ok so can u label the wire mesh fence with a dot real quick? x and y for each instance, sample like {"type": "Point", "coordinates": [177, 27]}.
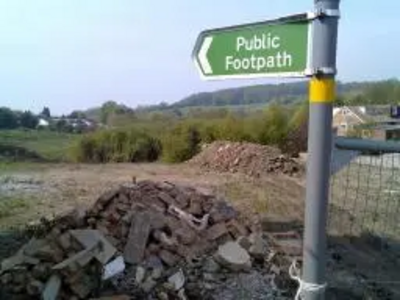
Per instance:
{"type": "Point", "coordinates": [364, 218]}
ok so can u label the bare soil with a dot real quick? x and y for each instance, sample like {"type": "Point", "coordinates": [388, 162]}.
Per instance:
{"type": "Point", "coordinates": [56, 188]}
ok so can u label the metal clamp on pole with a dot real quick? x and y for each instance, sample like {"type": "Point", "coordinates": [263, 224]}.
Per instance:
{"type": "Point", "coordinates": [318, 72]}
{"type": "Point", "coordinates": [321, 13]}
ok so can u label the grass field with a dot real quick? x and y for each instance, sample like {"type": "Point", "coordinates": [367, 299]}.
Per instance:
{"type": "Point", "coordinates": [34, 145]}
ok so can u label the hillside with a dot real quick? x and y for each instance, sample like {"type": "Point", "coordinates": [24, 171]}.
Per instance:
{"type": "Point", "coordinates": [284, 93]}
{"type": "Point", "coordinates": [367, 92]}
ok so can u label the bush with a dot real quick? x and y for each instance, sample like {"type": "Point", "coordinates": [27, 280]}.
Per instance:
{"type": "Point", "coordinates": [182, 143]}
{"type": "Point", "coordinates": [117, 146]}
{"type": "Point", "coordinates": [272, 127]}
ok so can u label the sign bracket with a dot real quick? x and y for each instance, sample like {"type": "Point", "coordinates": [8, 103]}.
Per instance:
{"type": "Point", "coordinates": [322, 13]}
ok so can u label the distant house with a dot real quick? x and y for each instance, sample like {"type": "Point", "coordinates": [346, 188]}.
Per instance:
{"type": "Point", "coordinates": [43, 123]}
{"type": "Point", "coordinates": [74, 124]}
{"type": "Point", "coordinates": [375, 122]}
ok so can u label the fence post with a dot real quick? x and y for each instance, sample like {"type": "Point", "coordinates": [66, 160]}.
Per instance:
{"type": "Point", "coordinates": [321, 97]}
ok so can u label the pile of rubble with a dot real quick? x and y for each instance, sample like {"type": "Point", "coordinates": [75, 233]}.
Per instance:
{"type": "Point", "coordinates": [141, 240]}
{"type": "Point", "coordinates": [251, 159]}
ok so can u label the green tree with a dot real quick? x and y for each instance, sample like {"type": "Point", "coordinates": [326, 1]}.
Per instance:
{"type": "Point", "coordinates": [76, 114]}
{"type": "Point", "coordinates": [8, 119]}
{"type": "Point", "coordinates": [46, 113]}
{"type": "Point", "coordinates": [28, 120]}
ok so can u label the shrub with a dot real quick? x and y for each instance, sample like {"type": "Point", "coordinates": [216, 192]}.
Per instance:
{"type": "Point", "coordinates": [120, 145]}
{"type": "Point", "coordinates": [182, 143]}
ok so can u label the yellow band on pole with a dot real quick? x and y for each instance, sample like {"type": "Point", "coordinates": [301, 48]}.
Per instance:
{"type": "Point", "coordinates": [322, 90]}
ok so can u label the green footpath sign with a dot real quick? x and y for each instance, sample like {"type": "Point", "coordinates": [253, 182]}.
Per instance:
{"type": "Point", "coordinates": [267, 49]}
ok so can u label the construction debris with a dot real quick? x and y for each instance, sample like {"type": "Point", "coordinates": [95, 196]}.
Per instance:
{"type": "Point", "coordinates": [151, 226]}
{"type": "Point", "coordinates": [251, 159]}
{"type": "Point", "coordinates": [146, 238]}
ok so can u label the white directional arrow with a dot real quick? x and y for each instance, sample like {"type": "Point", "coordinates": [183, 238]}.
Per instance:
{"type": "Point", "coordinates": [203, 55]}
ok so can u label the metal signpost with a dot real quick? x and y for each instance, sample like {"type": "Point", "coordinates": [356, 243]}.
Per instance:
{"type": "Point", "coordinates": [322, 95]}
{"type": "Point", "coordinates": [302, 45]}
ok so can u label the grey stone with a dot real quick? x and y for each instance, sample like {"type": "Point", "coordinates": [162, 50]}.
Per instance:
{"type": "Point", "coordinates": [52, 288]}
{"type": "Point", "coordinates": [12, 262]}
{"type": "Point", "coordinates": [211, 266]}
{"type": "Point", "coordinates": [210, 277]}
{"type": "Point", "coordinates": [259, 247]}
{"type": "Point", "coordinates": [162, 296]}
{"type": "Point", "coordinates": [83, 284]}
{"type": "Point", "coordinates": [34, 246]}
{"type": "Point", "coordinates": [148, 285]}
{"type": "Point", "coordinates": [35, 287]}
{"type": "Point", "coordinates": [233, 256]}
{"type": "Point", "coordinates": [157, 273]}
{"type": "Point", "coordinates": [182, 294]}
{"type": "Point", "coordinates": [244, 241]}
{"type": "Point", "coordinates": [153, 262]}
{"type": "Point", "coordinates": [177, 280]}
{"type": "Point", "coordinates": [140, 274]}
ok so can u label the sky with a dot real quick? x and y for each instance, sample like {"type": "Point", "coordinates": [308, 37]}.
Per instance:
{"type": "Point", "coordinates": [74, 54]}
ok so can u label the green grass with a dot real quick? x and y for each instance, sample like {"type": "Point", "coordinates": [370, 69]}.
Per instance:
{"type": "Point", "coordinates": [10, 206]}
{"type": "Point", "coordinates": [46, 145]}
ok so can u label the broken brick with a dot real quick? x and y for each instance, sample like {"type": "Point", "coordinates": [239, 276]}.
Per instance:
{"type": "Point", "coordinates": [236, 228]}
{"type": "Point", "coordinates": [137, 238]}
{"type": "Point", "coordinates": [168, 258]}
{"type": "Point", "coordinates": [222, 212]}
{"type": "Point", "coordinates": [65, 241]}
{"type": "Point", "coordinates": [106, 198]}
{"type": "Point", "coordinates": [78, 260]}
{"type": "Point", "coordinates": [83, 285]}
{"type": "Point", "coordinates": [182, 200]}
{"type": "Point", "coordinates": [34, 287]}
{"type": "Point", "coordinates": [88, 238]}
{"type": "Point", "coordinates": [195, 207]}
{"type": "Point", "coordinates": [50, 252]}
{"type": "Point", "coordinates": [166, 198]}
{"type": "Point", "coordinates": [185, 235]}
{"type": "Point", "coordinates": [290, 243]}
{"type": "Point", "coordinates": [216, 231]}
{"type": "Point", "coordinates": [33, 246]}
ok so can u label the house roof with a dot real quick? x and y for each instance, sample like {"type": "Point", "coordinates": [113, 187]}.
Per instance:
{"type": "Point", "coordinates": [372, 113]}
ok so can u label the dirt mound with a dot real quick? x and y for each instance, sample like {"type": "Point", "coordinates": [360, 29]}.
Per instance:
{"type": "Point", "coordinates": [157, 224]}
{"type": "Point", "coordinates": [251, 159]}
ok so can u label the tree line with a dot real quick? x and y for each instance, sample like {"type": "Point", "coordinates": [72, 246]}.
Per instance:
{"type": "Point", "coordinates": [15, 119]}
{"type": "Point", "coordinates": [178, 139]}
{"type": "Point", "coordinates": [11, 119]}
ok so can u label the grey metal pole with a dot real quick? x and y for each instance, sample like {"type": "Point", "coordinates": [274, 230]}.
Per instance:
{"type": "Point", "coordinates": [322, 88]}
